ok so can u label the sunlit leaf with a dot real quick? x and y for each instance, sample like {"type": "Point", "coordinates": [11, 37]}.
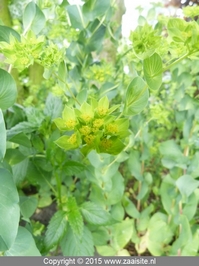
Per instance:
{"type": "Point", "coordinates": [136, 96]}
{"type": "Point", "coordinates": [153, 71]}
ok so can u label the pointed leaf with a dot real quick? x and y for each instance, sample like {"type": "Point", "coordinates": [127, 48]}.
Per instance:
{"type": "Point", "coordinates": [71, 245]}
{"type": "Point", "coordinates": [94, 214]}
{"type": "Point", "coordinates": [74, 217]}
{"type": "Point", "coordinates": [187, 184]}
{"type": "Point", "coordinates": [56, 229]}
{"type": "Point", "coordinates": [153, 71]}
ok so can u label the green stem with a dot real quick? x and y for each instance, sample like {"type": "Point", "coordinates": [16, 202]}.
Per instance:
{"type": "Point", "coordinates": [119, 115]}
{"type": "Point", "coordinates": [174, 63]}
{"type": "Point", "coordinates": [37, 156]}
{"type": "Point", "coordinates": [58, 181]}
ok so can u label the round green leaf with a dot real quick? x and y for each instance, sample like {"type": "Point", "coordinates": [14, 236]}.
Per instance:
{"type": "Point", "coordinates": [24, 245]}
{"type": "Point", "coordinates": [187, 184]}
{"type": "Point", "coordinates": [9, 210]}
{"type": "Point", "coordinates": [8, 90]}
{"type": "Point", "coordinates": [122, 233]}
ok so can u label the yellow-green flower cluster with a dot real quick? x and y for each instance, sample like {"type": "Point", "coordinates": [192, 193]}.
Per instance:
{"type": "Point", "coordinates": [92, 126]}
{"type": "Point", "coordinates": [100, 73]}
{"type": "Point", "coordinates": [23, 53]}
{"type": "Point", "coordinates": [51, 55]}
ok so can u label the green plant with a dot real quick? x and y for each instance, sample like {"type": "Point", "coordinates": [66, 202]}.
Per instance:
{"type": "Point", "coordinates": [113, 151]}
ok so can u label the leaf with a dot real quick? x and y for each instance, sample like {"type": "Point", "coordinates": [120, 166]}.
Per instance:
{"type": "Point", "coordinates": [136, 96]}
{"type": "Point", "coordinates": [33, 18]}
{"type": "Point", "coordinates": [19, 171]}
{"type": "Point", "coordinates": [134, 165]}
{"type": "Point", "coordinates": [94, 8]}
{"type": "Point", "coordinates": [99, 160]}
{"type": "Point", "coordinates": [56, 229]}
{"type": "Point", "coordinates": [106, 250]}
{"type": "Point", "coordinates": [14, 156]}
{"type": "Point", "coordinates": [8, 90]}
{"type": "Point", "coordinates": [25, 127]}
{"type": "Point", "coordinates": [185, 236]}
{"type": "Point", "coordinates": [53, 106]}
{"type": "Point", "coordinates": [144, 218]}
{"type": "Point", "coordinates": [122, 233]}
{"type": "Point", "coordinates": [92, 36]}
{"type": "Point", "coordinates": [117, 212]}
{"type": "Point", "coordinates": [28, 205]}
{"type": "Point", "coordinates": [187, 184]}
{"type": "Point", "coordinates": [78, 21]}
{"type": "Point", "coordinates": [94, 214]}
{"type": "Point", "coordinates": [166, 192]}
{"type": "Point", "coordinates": [176, 28]}
{"type": "Point", "coordinates": [192, 246]}
{"type": "Point", "coordinates": [62, 74]}
{"type": "Point", "coordinates": [172, 155]}
{"type": "Point", "coordinates": [100, 236]}
{"type": "Point", "coordinates": [5, 33]}
{"type": "Point", "coordinates": [2, 136]}
{"type": "Point", "coordinates": [65, 143]}
{"type": "Point", "coordinates": [24, 245]}
{"type": "Point", "coordinates": [71, 245]}
{"type": "Point", "coordinates": [153, 71]}
{"type": "Point", "coordinates": [117, 190]}
{"type": "Point", "coordinates": [130, 208]}
{"type": "Point", "coordinates": [73, 168]}
{"type": "Point", "coordinates": [190, 207]}
{"type": "Point", "coordinates": [9, 210]}
{"type": "Point", "coordinates": [157, 240]}
{"type": "Point", "coordinates": [74, 217]}
{"type": "Point", "coordinates": [21, 139]}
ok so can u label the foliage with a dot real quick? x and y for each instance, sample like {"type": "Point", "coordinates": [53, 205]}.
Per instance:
{"type": "Point", "coordinates": [114, 146]}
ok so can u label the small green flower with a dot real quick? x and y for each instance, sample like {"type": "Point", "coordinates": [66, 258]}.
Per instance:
{"type": "Point", "coordinates": [73, 139]}
{"type": "Point", "coordinates": [86, 113]}
{"type": "Point", "coordinates": [112, 128]}
{"type": "Point", "coordinates": [89, 139]}
{"type": "Point", "coordinates": [69, 142]}
{"type": "Point", "coordinates": [68, 120]}
{"type": "Point", "coordinates": [97, 123]}
{"type": "Point", "coordinates": [85, 130]}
